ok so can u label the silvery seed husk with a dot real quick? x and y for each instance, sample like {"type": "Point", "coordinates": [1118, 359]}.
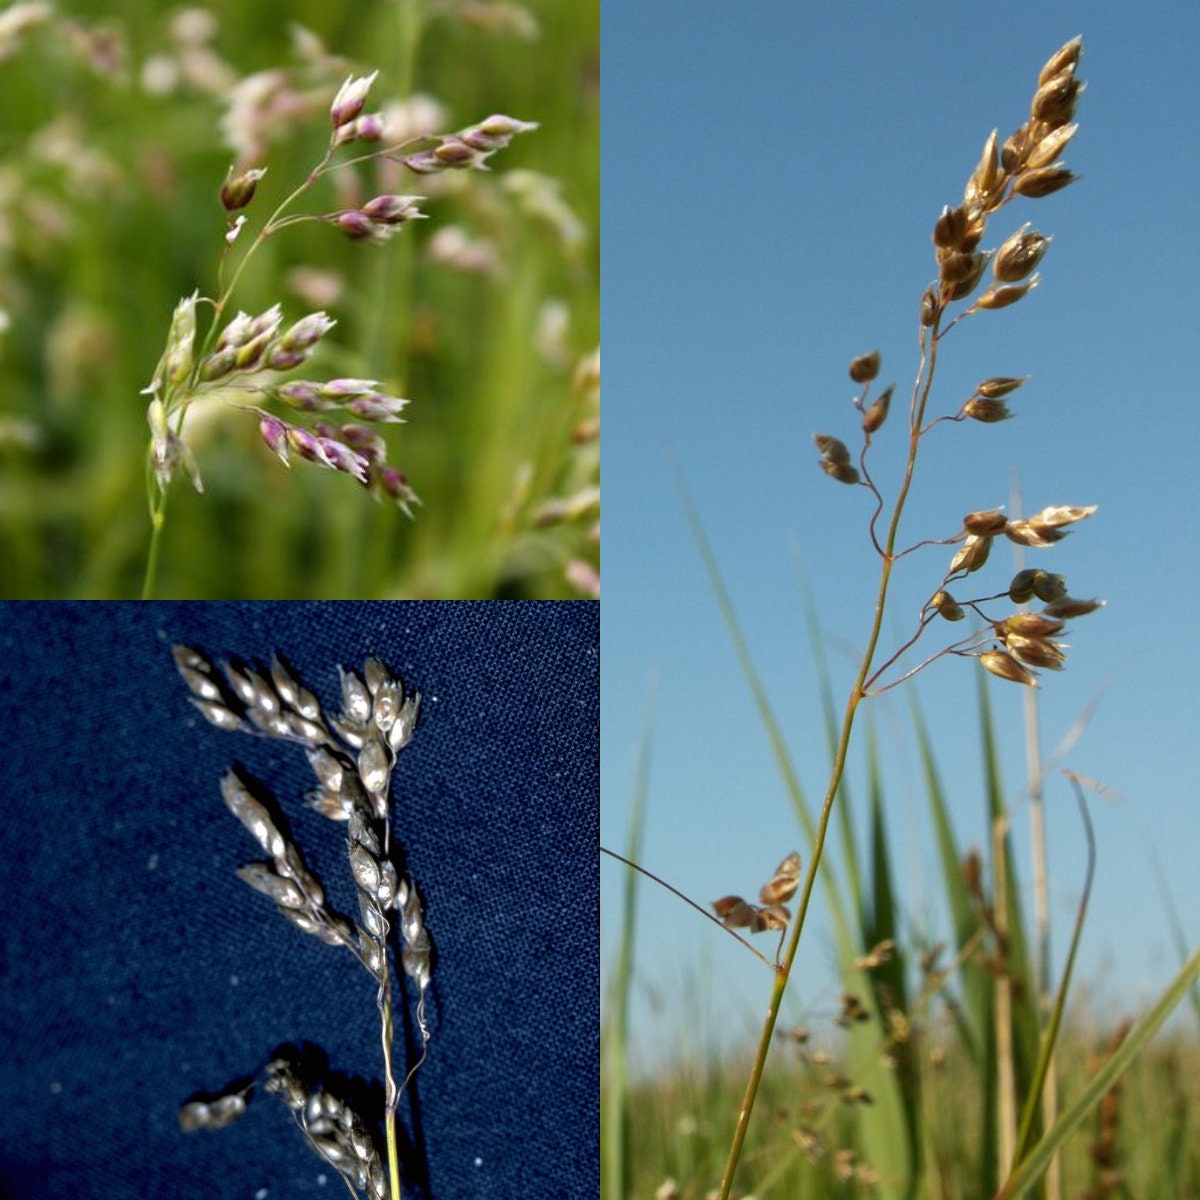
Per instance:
{"type": "Point", "coordinates": [292, 865]}
{"type": "Point", "coordinates": [306, 730]}
{"type": "Point", "coordinates": [264, 694]}
{"type": "Point", "coordinates": [327, 768]}
{"type": "Point", "coordinates": [282, 1082]}
{"type": "Point", "coordinates": [200, 684]}
{"type": "Point", "coordinates": [252, 814]}
{"type": "Point", "coordinates": [276, 724]}
{"type": "Point", "coordinates": [372, 953]}
{"type": "Point", "coordinates": [218, 714]}
{"type": "Point", "coordinates": [226, 1110]}
{"type": "Point", "coordinates": [401, 732]}
{"type": "Point", "coordinates": [365, 868]}
{"type": "Point", "coordinates": [415, 961]}
{"type": "Point", "coordinates": [350, 732]}
{"type": "Point", "coordinates": [410, 919]}
{"type": "Point", "coordinates": [386, 706]}
{"type": "Point", "coordinates": [328, 804]}
{"type": "Point", "coordinates": [262, 879]}
{"type": "Point", "coordinates": [185, 656]}
{"type": "Point", "coordinates": [372, 915]}
{"type": "Point", "coordinates": [374, 767]}
{"type": "Point", "coordinates": [359, 831]}
{"type": "Point", "coordinates": [194, 1116]}
{"type": "Point", "coordinates": [242, 687]}
{"type": "Point", "coordinates": [376, 674]}
{"type": "Point", "coordinates": [355, 697]}
{"type": "Point", "coordinates": [385, 889]}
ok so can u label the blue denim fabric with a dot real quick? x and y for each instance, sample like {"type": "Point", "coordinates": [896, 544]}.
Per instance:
{"type": "Point", "coordinates": [138, 970]}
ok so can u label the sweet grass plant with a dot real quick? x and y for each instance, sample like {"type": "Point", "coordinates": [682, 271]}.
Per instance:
{"type": "Point", "coordinates": [485, 315]}
{"type": "Point", "coordinates": [864, 1128]}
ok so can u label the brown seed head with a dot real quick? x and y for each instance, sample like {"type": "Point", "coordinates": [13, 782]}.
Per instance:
{"type": "Point", "coordinates": [985, 521]}
{"type": "Point", "coordinates": [1057, 515]}
{"type": "Point", "coordinates": [946, 606]}
{"type": "Point", "coordinates": [1020, 590]}
{"type": "Point", "coordinates": [950, 228]}
{"type": "Point", "coordinates": [877, 413]}
{"type": "Point", "coordinates": [1002, 295]}
{"type": "Point", "coordinates": [1037, 652]}
{"type": "Point", "coordinates": [1002, 664]}
{"type": "Point", "coordinates": [1000, 385]}
{"type": "Point", "coordinates": [981, 188]}
{"type": "Point", "coordinates": [1028, 624]}
{"type": "Point", "coordinates": [1025, 534]}
{"type": "Point", "coordinates": [1048, 148]}
{"type": "Point", "coordinates": [1068, 607]}
{"type": "Point", "coordinates": [1043, 181]}
{"type": "Point", "coordinates": [831, 449]}
{"type": "Point", "coordinates": [1049, 587]}
{"type": "Point", "coordinates": [1054, 102]}
{"type": "Point", "coordinates": [865, 367]}
{"type": "Point", "coordinates": [973, 555]}
{"type": "Point", "coordinates": [1019, 255]}
{"type": "Point", "coordinates": [839, 471]}
{"type": "Point", "coordinates": [1066, 58]}
{"type": "Point", "coordinates": [980, 408]}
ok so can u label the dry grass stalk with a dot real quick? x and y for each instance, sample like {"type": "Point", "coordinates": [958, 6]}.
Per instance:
{"type": "Point", "coordinates": [352, 756]}
{"type": "Point", "coordinates": [1014, 645]}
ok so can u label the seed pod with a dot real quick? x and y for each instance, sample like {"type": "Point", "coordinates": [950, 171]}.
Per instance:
{"type": "Point", "coordinates": [950, 227]}
{"type": "Point", "coordinates": [1066, 58]}
{"type": "Point", "coordinates": [1043, 181]}
{"type": "Point", "coordinates": [782, 885]}
{"type": "Point", "coordinates": [831, 449]}
{"type": "Point", "coordinates": [1020, 590]}
{"type": "Point", "coordinates": [1019, 255]}
{"type": "Point", "coordinates": [1049, 587]}
{"type": "Point", "coordinates": [973, 555]}
{"type": "Point", "coordinates": [252, 815]}
{"type": "Point", "coordinates": [364, 867]}
{"type": "Point", "coordinates": [1002, 664]}
{"type": "Point", "coordinates": [1000, 385]}
{"type": "Point", "coordinates": [1051, 146]}
{"type": "Point", "coordinates": [839, 471]}
{"type": "Point", "coordinates": [218, 714]}
{"type": "Point", "coordinates": [374, 766]}
{"type": "Point", "coordinates": [1057, 515]}
{"type": "Point", "coordinates": [865, 367]}
{"type": "Point", "coordinates": [1068, 607]}
{"type": "Point", "coordinates": [401, 732]}
{"type": "Point", "coordinates": [355, 697]}
{"type": "Point", "coordinates": [981, 187]}
{"type": "Point", "coordinates": [1054, 102]}
{"type": "Point", "coordinates": [1024, 533]}
{"type": "Point", "coordinates": [1028, 624]}
{"type": "Point", "coordinates": [1037, 652]}
{"type": "Point", "coordinates": [386, 705]}
{"type": "Point", "coordinates": [385, 891]}
{"type": "Point", "coordinates": [877, 412]}
{"type": "Point", "coordinates": [985, 522]}
{"type": "Point", "coordinates": [1002, 296]}
{"type": "Point", "coordinates": [263, 879]}
{"type": "Point", "coordinates": [946, 606]}
{"type": "Point", "coordinates": [980, 408]}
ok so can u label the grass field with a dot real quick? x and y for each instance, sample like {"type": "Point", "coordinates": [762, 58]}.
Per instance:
{"type": "Point", "coordinates": [485, 315]}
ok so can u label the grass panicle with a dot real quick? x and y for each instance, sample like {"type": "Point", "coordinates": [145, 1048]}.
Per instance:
{"type": "Point", "coordinates": [876, 1117]}
{"type": "Point", "coordinates": [352, 755]}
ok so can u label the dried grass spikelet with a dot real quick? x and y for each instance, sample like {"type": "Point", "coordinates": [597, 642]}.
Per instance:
{"type": "Point", "coordinates": [877, 411]}
{"type": "Point", "coordinates": [835, 458]}
{"type": "Point", "coordinates": [973, 554]}
{"type": "Point", "coordinates": [736, 913]}
{"type": "Point", "coordinates": [986, 410]}
{"type": "Point", "coordinates": [985, 522]}
{"type": "Point", "coordinates": [865, 367]}
{"type": "Point", "coordinates": [946, 606]}
{"type": "Point", "coordinates": [1004, 665]}
{"type": "Point", "coordinates": [1002, 295]}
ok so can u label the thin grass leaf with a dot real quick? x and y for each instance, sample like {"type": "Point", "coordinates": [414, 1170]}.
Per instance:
{"type": "Point", "coordinates": [1031, 1168]}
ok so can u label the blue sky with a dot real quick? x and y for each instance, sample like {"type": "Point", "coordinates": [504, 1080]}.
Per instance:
{"type": "Point", "coordinates": [772, 172]}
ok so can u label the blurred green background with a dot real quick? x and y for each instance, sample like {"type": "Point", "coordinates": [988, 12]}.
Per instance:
{"type": "Point", "coordinates": [113, 155]}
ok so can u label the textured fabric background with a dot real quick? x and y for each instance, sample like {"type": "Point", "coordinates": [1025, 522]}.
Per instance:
{"type": "Point", "coordinates": [138, 970]}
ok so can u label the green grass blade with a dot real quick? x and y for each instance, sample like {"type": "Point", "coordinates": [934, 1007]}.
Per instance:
{"type": "Point", "coordinates": [1030, 1170]}
{"type": "Point", "coordinates": [614, 1171]}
